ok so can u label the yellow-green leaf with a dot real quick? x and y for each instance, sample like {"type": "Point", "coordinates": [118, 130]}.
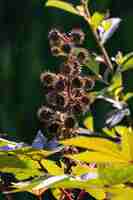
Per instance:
{"type": "Point", "coordinates": [127, 62]}
{"type": "Point", "coordinates": [126, 141]}
{"type": "Point", "coordinates": [88, 122]}
{"type": "Point", "coordinates": [52, 168]}
{"type": "Point", "coordinates": [97, 193]}
{"type": "Point", "coordinates": [96, 19]}
{"type": "Point", "coordinates": [62, 5]}
{"type": "Point", "coordinates": [97, 157]}
{"type": "Point", "coordinates": [93, 143]}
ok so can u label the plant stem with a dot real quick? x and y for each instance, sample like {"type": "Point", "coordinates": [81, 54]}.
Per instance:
{"type": "Point", "coordinates": [87, 17]}
{"type": "Point", "coordinates": [67, 194]}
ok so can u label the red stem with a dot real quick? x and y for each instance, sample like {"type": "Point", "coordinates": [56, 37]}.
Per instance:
{"type": "Point", "coordinates": [81, 195]}
{"type": "Point", "coordinates": [67, 194]}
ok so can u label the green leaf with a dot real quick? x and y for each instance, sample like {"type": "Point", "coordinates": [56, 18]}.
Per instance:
{"type": "Point", "coordinates": [109, 132]}
{"type": "Point", "coordinates": [116, 82]}
{"type": "Point", "coordinates": [62, 5]}
{"type": "Point", "coordinates": [116, 174]}
{"type": "Point", "coordinates": [80, 169]}
{"type": "Point", "coordinates": [93, 143]}
{"type": "Point", "coordinates": [88, 122]}
{"type": "Point", "coordinates": [93, 65]}
{"type": "Point", "coordinates": [96, 19]}
{"type": "Point", "coordinates": [126, 141]}
{"type": "Point", "coordinates": [97, 193]}
{"type": "Point", "coordinates": [52, 168]}
{"type": "Point", "coordinates": [38, 185]}
{"type": "Point", "coordinates": [21, 166]}
{"type": "Point", "coordinates": [127, 62]}
{"type": "Point", "coordinates": [97, 157]}
{"type": "Point", "coordinates": [126, 193]}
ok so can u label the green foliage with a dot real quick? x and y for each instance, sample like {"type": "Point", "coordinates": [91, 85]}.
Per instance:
{"type": "Point", "coordinates": [101, 166]}
{"type": "Point", "coordinates": [62, 5]}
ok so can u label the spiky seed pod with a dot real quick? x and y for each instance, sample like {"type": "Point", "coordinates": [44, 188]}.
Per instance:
{"type": "Point", "coordinates": [85, 100]}
{"type": "Point", "coordinates": [77, 82]}
{"type": "Point", "coordinates": [77, 108]}
{"type": "Point", "coordinates": [48, 79]}
{"type": "Point", "coordinates": [60, 84]}
{"type": "Point", "coordinates": [77, 36]}
{"type": "Point", "coordinates": [66, 48]}
{"type": "Point", "coordinates": [45, 114]}
{"type": "Point", "coordinates": [66, 68]}
{"type": "Point", "coordinates": [56, 51]}
{"type": "Point", "coordinates": [54, 127]}
{"type": "Point", "coordinates": [83, 56]}
{"type": "Point", "coordinates": [69, 122]}
{"type": "Point", "coordinates": [55, 38]}
{"type": "Point", "coordinates": [88, 84]}
{"type": "Point", "coordinates": [56, 100]}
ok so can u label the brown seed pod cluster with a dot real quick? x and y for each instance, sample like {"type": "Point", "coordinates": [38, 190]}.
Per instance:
{"type": "Point", "coordinates": [66, 92]}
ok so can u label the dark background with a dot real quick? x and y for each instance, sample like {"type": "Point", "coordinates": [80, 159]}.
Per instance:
{"type": "Point", "coordinates": [24, 53]}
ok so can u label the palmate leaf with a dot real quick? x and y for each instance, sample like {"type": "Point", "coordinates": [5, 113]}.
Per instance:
{"type": "Point", "coordinates": [127, 62]}
{"type": "Point", "coordinates": [62, 5]}
{"type": "Point", "coordinates": [38, 185]}
{"type": "Point", "coordinates": [96, 19]}
{"type": "Point", "coordinates": [122, 194]}
{"type": "Point", "coordinates": [116, 174]}
{"type": "Point", "coordinates": [88, 122]}
{"type": "Point", "coordinates": [52, 168]}
{"type": "Point", "coordinates": [98, 157]}
{"type": "Point", "coordinates": [126, 141]}
{"type": "Point", "coordinates": [94, 143]}
{"type": "Point", "coordinates": [21, 166]}
{"type": "Point", "coordinates": [93, 65]}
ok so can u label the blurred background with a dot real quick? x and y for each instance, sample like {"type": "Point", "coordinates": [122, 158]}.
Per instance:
{"type": "Point", "coordinates": [24, 54]}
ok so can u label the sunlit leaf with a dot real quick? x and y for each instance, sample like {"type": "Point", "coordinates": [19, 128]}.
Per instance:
{"type": "Point", "coordinates": [38, 185]}
{"type": "Point", "coordinates": [52, 168]}
{"type": "Point", "coordinates": [127, 62]}
{"type": "Point", "coordinates": [93, 143]}
{"type": "Point", "coordinates": [88, 122]}
{"type": "Point", "coordinates": [93, 65]}
{"type": "Point", "coordinates": [126, 141]}
{"type": "Point", "coordinates": [107, 28]}
{"type": "Point", "coordinates": [116, 82]}
{"type": "Point", "coordinates": [96, 19]}
{"type": "Point", "coordinates": [97, 193]}
{"type": "Point", "coordinates": [127, 96]}
{"type": "Point", "coordinates": [109, 132]}
{"type": "Point", "coordinates": [98, 157]}
{"type": "Point", "coordinates": [82, 169]}
{"type": "Point", "coordinates": [116, 174]}
{"type": "Point", "coordinates": [62, 5]}
{"type": "Point", "coordinates": [21, 166]}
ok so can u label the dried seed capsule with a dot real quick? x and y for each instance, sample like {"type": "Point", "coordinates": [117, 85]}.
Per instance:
{"type": "Point", "coordinates": [66, 48]}
{"type": "Point", "coordinates": [60, 84]}
{"type": "Point", "coordinates": [77, 82]}
{"type": "Point", "coordinates": [54, 127]}
{"type": "Point", "coordinates": [56, 51]}
{"type": "Point", "coordinates": [55, 38]}
{"type": "Point", "coordinates": [45, 114]}
{"type": "Point", "coordinates": [82, 56]}
{"type": "Point", "coordinates": [85, 100]}
{"type": "Point", "coordinates": [66, 69]}
{"type": "Point", "coordinates": [70, 122]}
{"type": "Point", "coordinates": [77, 36]}
{"type": "Point", "coordinates": [47, 79]}
{"type": "Point", "coordinates": [58, 101]}
{"type": "Point", "coordinates": [88, 84]}
{"type": "Point", "coordinates": [77, 108]}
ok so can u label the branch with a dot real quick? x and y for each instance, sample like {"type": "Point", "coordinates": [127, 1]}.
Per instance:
{"type": "Point", "coordinates": [87, 17]}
